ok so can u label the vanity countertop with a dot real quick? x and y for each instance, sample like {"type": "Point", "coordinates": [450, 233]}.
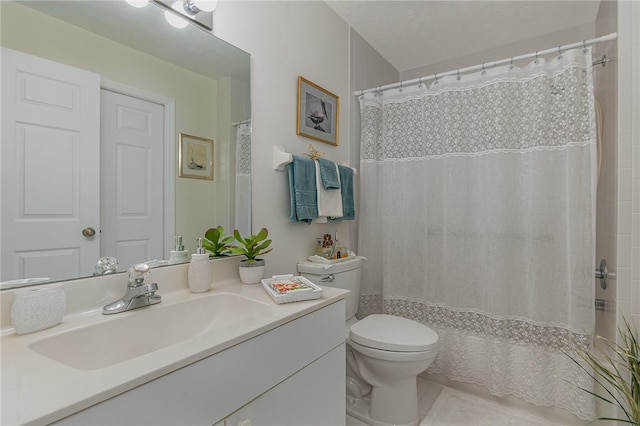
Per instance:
{"type": "Point", "coordinates": [39, 390]}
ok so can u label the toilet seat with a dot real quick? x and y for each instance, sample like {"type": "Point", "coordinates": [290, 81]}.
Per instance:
{"type": "Point", "coordinates": [401, 357]}
{"type": "Point", "coordinates": [391, 333]}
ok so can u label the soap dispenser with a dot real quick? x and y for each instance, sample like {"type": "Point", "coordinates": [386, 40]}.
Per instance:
{"type": "Point", "coordinates": [179, 254]}
{"type": "Point", "coordinates": [200, 274]}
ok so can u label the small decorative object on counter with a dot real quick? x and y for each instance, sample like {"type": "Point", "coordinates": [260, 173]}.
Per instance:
{"type": "Point", "coordinates": [200, 274]}
{"type": "Point", "coordinates": [179, 254]}
{"type": "Point", "coordinates": [330, 248]}
{"type": "Point", "coordinates": [38, 308]}
{"type": "Point", "coordinates": [287, 288]}
{"type": "Point", "coordinates": [252, 269]}
{"type": "Point", "coordinates": [338, 251]}
{"type": "Point", "coordinates": [327, 246]}
{"type": "Point", "coordinates": [318, 246]}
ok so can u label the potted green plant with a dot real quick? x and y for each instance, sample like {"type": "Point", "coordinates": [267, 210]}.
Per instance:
{"type": "Point", "coordinates": [252, 246]}
{"type": "Point", "coordinates": [216, 242]}
{"type": "Point", "coordinates": [617, 370]}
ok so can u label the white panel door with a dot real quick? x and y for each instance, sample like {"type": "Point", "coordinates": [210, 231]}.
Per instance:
{"type": "Point", "coordinates": [50, 168]}
{"type": "Point", "coordinates": [132, 189]}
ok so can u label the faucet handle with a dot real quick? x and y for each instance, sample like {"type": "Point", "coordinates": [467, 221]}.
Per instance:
{"type": "Point", "coordinates": [141, 267]}
{"type": "Point", "coordinates": [145, 290]}
{"type": "Point", "coordinates": [138, 273]}
{"type": "Point", "coordinates": [106, 265]}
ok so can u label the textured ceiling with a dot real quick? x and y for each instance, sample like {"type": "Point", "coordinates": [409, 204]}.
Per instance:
{"type": "Point", "coordinates": [411, 34]}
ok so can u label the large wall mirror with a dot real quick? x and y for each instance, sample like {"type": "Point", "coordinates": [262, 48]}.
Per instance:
{"type": "Point", "coordinates": [95, 98]}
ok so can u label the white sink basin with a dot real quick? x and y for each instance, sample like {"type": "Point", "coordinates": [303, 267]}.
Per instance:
{"type": "Point", "coordinates": [138, 332]}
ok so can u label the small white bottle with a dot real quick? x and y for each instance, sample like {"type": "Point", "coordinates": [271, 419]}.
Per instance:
{"type": "Point", "coordinates": [200, 274]}
{"type": "Point", "coordinates": [179, 255]}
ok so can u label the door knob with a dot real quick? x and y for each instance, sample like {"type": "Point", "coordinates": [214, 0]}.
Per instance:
{"type": "Point", "coordinates": [88, 232]}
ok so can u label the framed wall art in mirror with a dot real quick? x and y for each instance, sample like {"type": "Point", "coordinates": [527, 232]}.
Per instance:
{"type": "Point", "coordinates": [318, 112]}
{"type": "Point", "coordinates": [196, 157]}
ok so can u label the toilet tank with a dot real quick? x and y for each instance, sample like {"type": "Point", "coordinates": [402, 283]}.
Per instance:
{"type": "Point", "coordinates": [344, 274]}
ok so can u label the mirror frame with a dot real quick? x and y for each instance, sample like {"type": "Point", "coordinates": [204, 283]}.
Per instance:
{"type": "Point", "coordinates": [236, 70]}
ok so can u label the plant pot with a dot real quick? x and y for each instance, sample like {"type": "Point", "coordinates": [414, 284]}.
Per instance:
{"type": "Point", "coordinates": [251, 272]}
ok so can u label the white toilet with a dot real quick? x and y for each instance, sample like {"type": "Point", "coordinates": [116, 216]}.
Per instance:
{"type": "Point", "coordinates": [385, 353]}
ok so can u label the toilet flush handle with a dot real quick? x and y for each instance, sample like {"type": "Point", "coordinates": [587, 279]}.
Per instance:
{"type": "Point", "coordinates": [328, 279]}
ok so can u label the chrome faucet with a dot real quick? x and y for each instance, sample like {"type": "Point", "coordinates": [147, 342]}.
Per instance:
{"type": "Point", "coordinates": [139, 293]}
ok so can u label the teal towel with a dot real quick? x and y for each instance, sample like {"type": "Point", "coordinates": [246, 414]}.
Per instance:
{"type": "Point", "coordinates": [328, 174]}
{"type": "Point", "coordinates": [302, 190]}
{"type": "Point", "coordinates": [346, 182]}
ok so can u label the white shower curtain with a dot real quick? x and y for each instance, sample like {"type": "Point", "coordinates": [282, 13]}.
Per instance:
{"type": "Point", "coordinates": [477, 218]}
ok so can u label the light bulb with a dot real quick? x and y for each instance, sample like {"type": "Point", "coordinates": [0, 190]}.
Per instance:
{"type": "Point", "coordinates": [173, 19]}
{"type": "Point", "coordinates": [206, 5]}
{"type": "Point", "coordinates": [138, 3]}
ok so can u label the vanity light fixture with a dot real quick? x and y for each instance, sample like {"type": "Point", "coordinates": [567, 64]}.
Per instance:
{"type": "Point", "coordinates": [200, 11]}
{"type": "Point", "coordinates": [172, 18]}
{"type": "Point", "coordinates": [195, 6]}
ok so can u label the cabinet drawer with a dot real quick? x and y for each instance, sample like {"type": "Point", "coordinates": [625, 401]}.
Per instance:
{"type": "Point", "coordinates": [314, 396]}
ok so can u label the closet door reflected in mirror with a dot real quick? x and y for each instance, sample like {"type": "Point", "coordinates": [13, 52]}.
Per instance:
{"type": "Point", "coordinates": [50, 166]}
{"type": "Point", "coordinates": [131, 178]}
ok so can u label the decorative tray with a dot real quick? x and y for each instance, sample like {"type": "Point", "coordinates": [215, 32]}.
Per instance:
{"type": "Point", "coordinates": [287, 288]}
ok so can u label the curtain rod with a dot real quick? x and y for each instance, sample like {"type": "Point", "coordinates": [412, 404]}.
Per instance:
{"type": "Point", "coordinates": [437, 75]}
{"type": "Point", "coordinates": [236, 124]}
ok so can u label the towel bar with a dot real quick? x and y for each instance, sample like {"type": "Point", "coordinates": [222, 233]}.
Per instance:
{"type": "Point", "coordinates": [281, 158]}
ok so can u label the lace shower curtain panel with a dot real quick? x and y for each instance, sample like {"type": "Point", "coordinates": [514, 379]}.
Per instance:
{"type": "Point", "coordinates": [477, 217]}
{"type": "Point", "coordinates": [243, 178]}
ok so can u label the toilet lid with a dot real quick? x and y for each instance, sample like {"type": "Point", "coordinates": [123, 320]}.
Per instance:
{"type": "Point", "coordinates": [393, 333]}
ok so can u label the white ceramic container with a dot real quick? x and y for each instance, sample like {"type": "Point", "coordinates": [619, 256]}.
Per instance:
{"type": "Point", "coordinates": [38, 308]}
{"type": "Point", "coordinates": [200, 274]}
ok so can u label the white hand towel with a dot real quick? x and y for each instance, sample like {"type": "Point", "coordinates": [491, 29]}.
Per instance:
{"type": "Point", "coordinates": [329, 200]}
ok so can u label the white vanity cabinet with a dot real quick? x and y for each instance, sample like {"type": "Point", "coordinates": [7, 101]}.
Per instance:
{"type": "Point", "coordinates": [291, 375]}
{"type": "Point", "coordinates": [309, 397]}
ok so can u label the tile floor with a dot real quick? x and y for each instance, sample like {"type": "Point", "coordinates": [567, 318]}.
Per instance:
{"type": "Point", "coordinates": [443, 406]}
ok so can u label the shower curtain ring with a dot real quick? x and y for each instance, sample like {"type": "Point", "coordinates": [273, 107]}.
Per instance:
{"type": "Point", "coordinates": [436, 78]}
{"type": "Point", "coordinates": [420, 82]}
{"type": "Point", "coordinates": [401, 83]}
{"type": "Point", "coordinates": [484, 71]}
{"type": "Point", "coordinates": [458, 77]}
